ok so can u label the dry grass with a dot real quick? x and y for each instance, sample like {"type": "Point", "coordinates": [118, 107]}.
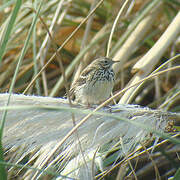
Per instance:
{"type": "Point", "coordinates": [146, 36]}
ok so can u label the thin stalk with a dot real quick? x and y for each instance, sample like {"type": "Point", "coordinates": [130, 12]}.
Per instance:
{"type": "Point", "coordinates": [10, 25]}
{"type": "Point", "coordinates": [133, 25]}
{"type": "Point", "coordinates": [18, 5]}
{"type": "Point", "coordinates": [70, 68]}
{"type": "Point", "coordinates": [66, 86]}
{"type": "Point", "coordinates": [34, 56]}
{"type": "Point", "coordinates": [114, 26]}
{"type": "Point", "coordinates": [9, 28]}
{"type": "Point", "coordinates": [64, 43]}
{"type": "Point", "coordinates": [84, 43]}
{"type": "Point", "coordinates": [105, 103]}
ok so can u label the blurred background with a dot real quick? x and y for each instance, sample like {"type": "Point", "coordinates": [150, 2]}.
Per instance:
{"type": "Point", "coordinates": [90, 42]}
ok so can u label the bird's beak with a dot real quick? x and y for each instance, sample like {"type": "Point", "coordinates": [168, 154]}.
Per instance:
{"type": "Point", "coordinates": [115, 62]}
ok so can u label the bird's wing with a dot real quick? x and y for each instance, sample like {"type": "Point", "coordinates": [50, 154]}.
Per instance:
{"type": "Point", "coordinates": [84, 76]}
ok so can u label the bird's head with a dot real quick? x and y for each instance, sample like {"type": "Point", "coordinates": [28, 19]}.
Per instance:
{"type": "Point", "coordinates": [105, 62]}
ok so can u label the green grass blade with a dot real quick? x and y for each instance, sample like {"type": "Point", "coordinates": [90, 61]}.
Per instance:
{"type": "Point", "coordinates": [9, 28]}
{"type": "Point", "coordinates": [177, 175]}
{"type": "Point", "coordinates": [3, 174]}
{"type": "Point", "coordinates": [2, 169]}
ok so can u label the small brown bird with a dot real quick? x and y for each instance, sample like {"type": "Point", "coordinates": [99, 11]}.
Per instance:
{"type": "Point", "coordinates": [95, 82]}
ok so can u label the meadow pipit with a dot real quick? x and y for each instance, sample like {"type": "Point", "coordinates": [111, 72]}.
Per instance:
{"type": "Point", "coordinates": [95, 82]}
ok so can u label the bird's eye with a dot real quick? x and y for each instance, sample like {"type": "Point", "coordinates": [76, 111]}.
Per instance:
{"type": "Point", "coordinates": [105, 61]}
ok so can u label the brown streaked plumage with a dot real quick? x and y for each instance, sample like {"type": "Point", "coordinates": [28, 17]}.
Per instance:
{"type": "Point", "coordinates": [95, 83]}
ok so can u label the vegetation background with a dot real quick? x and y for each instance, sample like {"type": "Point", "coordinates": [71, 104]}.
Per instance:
{"type": "Point", "coordinates": [26, 48]}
